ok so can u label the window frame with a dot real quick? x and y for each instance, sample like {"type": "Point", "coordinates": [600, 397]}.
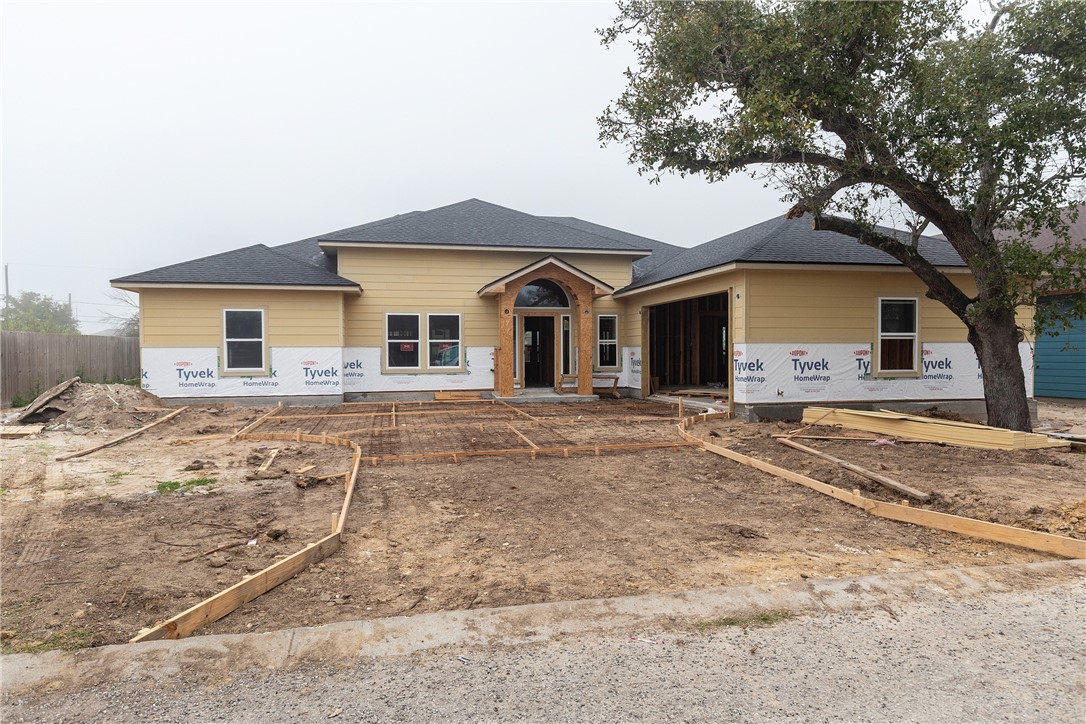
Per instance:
{"type": "Point", "coordinates": [263, 339]}
{"type": "Point", "coordinates": [609, 342]}
{"type": "Point", "coordinates": [417, 341]}
{"type": "Point", "coordinates": [914, 336]}
{"type": "Point", "coordinates": [459, 341]}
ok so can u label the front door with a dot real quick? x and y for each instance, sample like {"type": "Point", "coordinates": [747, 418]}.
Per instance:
{"type": "Point", "coordinates": [538, 352]}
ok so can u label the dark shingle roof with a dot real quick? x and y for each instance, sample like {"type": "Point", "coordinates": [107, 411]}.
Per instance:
{"type": "Point", "coordinates": [789, 241]}
{"type": "Point", "coordinates": [478, 223]}
{"type": "Point", "coordinates": [661, 251]}
{"type": "Point", "coordinates": [255, 264]}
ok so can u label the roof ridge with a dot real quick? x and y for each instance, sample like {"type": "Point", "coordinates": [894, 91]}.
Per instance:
{"type": "Point", "coordinates": [554, 220]}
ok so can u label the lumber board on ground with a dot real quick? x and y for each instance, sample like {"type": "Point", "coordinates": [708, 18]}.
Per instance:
{"type": "Point", "coordinates": [253, 425]}
{"type": "Point", "coordinates": [869, 474]}
{"type": "Point", "coordinates": [41, 400]}
{"type": "Point", "coordinates": [521, 435]}
{"type": "Point", "coordinates": [219, 605]}
{"type": "Point", "coordinates": [448, 395]}
{"type": "Point", "coordinates": [122, 438]}
{"type": "Point", "coordinates": [1034, 540]}
{"type": "Point", "coordinates": [267, 463]}
{"type": "Point", "coordinates": [962, 434]}
{"type": "Point", "coordinates": [14, 431]}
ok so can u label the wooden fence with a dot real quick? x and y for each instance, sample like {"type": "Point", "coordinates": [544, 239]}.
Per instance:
{"type": "Point", "coordinates": [31, 362]}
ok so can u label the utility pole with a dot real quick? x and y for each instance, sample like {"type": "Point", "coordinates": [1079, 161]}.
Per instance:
{"type": "Point", "coordinates": [7, 284]}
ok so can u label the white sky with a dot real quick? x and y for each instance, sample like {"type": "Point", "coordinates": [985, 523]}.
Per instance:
{"type": "Point", "coordinates": [137, 135]}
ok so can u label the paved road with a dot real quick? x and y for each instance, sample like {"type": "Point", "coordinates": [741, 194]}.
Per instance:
{"type": "Point", "coordinates": [1015, 655]}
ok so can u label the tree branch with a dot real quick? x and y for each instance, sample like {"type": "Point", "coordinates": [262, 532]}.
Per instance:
{"type": "Point", "coordinates": [939, 287]}
{"type": "Point", "coordinates": [814, 202]}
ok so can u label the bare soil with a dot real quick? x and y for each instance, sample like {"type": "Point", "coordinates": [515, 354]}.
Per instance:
{"type": "Point", "coordinates": [91, 552]}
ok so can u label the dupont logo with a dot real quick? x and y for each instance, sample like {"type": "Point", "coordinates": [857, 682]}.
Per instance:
{"type": "Point", "coordinates": [182, 364]}
{"type": "Point", "coordinates": [737, 353]}
{"type": "Point", "coordinates": [798, 353]}
{"type": "Point", "coordinates": [862, 353]}
{"type": "Point", "coordinates": [309, 363]}
{"type": "Point", "coordinates": [927, 352]}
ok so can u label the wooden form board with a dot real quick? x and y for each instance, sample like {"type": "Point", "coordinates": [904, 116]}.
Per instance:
{"type": "Point", "coordinates": [253, 425]}
{"type": "Point", "coordinates": [963, 434]}
{"type": "Point", "coordinates": [449, 395]}
{"type": "Point", "coordinates": [219, 605]}
{"type": "Point", "coordinates": [1034, 540]}
{"type": "Point", "coordinates": [122, 438]}
{"type": "Point", "coordinates": [252, 587]}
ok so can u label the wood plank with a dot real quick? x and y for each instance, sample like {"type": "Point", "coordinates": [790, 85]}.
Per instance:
{"type": "Point", "coordinates": [122, 438]}
{"type": "Point", "coordinates": [223, 603]}
{"type": "Point", "coordinates": [267, 463]}
{"type": "Point", "coordinates": [929, 429]}
{"type": "Point", "coordinates": [41, 400]}
{"type": "Point", "coordinates": [1034, 540]}
{"type": "Point", "coordinates": [15, 431]}
{"type": "Point", "coordinates": [522, 436]}
{"type": "Point", "coordinates": [252, 425]}
{"type": "Point", "coordinates": [869, 474]}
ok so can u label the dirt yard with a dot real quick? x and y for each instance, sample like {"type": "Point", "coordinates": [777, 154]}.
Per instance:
{"type": "Point", "coordinates": [96, 548]}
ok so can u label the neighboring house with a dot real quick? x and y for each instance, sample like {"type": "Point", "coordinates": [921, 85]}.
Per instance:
{"type": "Point", "coordinates": [1060, 355]}
{"type": "Point", "coordinates": [474, 296]}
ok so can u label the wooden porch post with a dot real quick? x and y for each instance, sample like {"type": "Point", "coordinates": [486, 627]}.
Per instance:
{"type": "Point", "coordinates": [586, 339]}
{"type": "Point", "coordinates": [503, 362]}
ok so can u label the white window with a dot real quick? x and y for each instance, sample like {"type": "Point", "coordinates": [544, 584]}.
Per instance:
{"type": "Point", "coordinates": [243, 334]}
{"type": "Point", "coordinates": [402, 335]}
{"type": "Point", "coordinates": [443, 336]}
{"type": "Point", "coordinates": [897, 335]}
{"type": "Point", "coordinates": [607, 340]}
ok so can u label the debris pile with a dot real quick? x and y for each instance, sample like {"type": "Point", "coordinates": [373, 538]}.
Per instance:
{"type": "Point", "coordinates": [84, 406]}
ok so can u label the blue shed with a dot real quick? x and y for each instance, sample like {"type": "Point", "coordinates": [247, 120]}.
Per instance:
{"type": "Point", "coordinates": [1060, 359]}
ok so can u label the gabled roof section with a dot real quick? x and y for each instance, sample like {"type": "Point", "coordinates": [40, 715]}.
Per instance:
{"type": "Point", "coordinates": [255, 265]}
{"type": "Point", "coordinates": [789, 241]}
{"type": "Point", "coordinates": [475, 223]}
{"type": "Point", "coordinates": [661, 251]}
{"type": "Point", "coordinates": [498, 285]}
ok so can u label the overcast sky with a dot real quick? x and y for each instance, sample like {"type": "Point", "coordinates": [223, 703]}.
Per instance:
{"type": "Point", "coordinates": [137, 135]}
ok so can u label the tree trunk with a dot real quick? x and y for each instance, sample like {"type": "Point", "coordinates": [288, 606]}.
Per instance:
{"type": "Point", "coordinates": [995, 336]}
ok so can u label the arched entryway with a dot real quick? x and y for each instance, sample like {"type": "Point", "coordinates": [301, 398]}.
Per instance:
{"type": "Point", "coordinates": [536, 336]}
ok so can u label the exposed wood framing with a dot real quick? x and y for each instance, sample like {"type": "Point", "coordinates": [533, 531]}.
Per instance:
{"type": "Point", "coordinates": [122, 438]}
{"type": "Point", "coordinates": [869, 474]}
{"type": "Point", "coordinates": [1034, 540]}
{"type": "Point", "coordinates": [41, 400]}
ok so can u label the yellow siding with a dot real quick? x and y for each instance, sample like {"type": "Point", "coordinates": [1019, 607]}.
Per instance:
{"type": "Point", "coordinates": [194, 317]}
{"type": "Point", "coordinates": [715, 284]}
{"type": "Point", "coordinates": [840, 306]}
{"type": "Point", "coordinates": [445, 281]}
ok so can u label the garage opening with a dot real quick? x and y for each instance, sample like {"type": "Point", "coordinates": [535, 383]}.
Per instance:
{"type": "Point", "coordinates": [688, 343]}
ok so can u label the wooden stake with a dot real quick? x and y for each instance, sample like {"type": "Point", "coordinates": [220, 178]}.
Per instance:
{"type": "Point", "coordinates": [122, 438]}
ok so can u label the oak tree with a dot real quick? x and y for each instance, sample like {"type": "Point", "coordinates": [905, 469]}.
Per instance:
{"type": "Point", "coordinates": [866, 112]}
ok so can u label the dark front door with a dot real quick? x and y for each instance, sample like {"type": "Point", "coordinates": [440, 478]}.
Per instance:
{"type": "Point", "coordinates": [539, 351]}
